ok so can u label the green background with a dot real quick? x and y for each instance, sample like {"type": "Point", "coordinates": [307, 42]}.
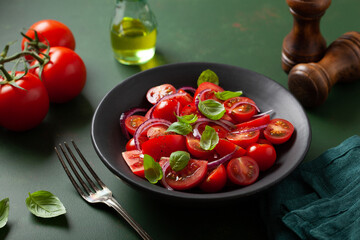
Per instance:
{"type": "Point", "coordinates": [248, 34]}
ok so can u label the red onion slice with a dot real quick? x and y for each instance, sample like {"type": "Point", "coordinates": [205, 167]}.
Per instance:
{"type": "Point", "coordinates": [163, 180]}
{"type": "Point", "coordinates": [198, 97]}
{"type": "Point", "coordinates": [262, 114]}
{"type": "Point", "coordinates": [145, 125]}
{"type": "Point", "coordinates": [251, 129]}
{"type": "Point", "coordinates": [189, 89]}
{"type": "Point", "coordinates": [243, 102]}
{"type": "Point", "coordinates": [215, 164]}
{"type": "Point", "coordinates": [125, 115]}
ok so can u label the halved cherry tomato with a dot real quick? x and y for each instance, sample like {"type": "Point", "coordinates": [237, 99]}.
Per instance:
{"type": "Point", "coordinates": [133, 122]}
{"type": "Point", "coordinates": [215, 180]}
{"type": "Point", "coordinates": [243, 139]}
{"type": "Point", "coordinates": [242, 112]}
{"type": "Point", "coordinates": [278, 131]}
{"type": "Point", "coordinates": [208, 85]}
{"type": "Point", "coordinates": [257, 122]}
{"type": "Point", "coordinates": [189, 109]}
{"type": "Point", "coordinates": [189, 177]}
{"type": "Point", "coordinates": [135, 162]}
{"type": "Point", "coordinates": [194, 148]}
{"type": "Point", "coordinates": [163, 146]}
{"type": "Point", "coordinates": [166, 109]}
{"type": "Point", "coordinates": [156, 131]}
{"type": "Point", "coordinates": [243, 170]}
{"type": "Point", "coordinates": [184, 100]}
{"type": "Point", "coordinates": [225, 147]}
{"type": "Point", "coordinates": [263, 154]}
{"type": "Point", "coordinates": [156, 93]}
{"type": "Point", "coordinates": [130, 145]}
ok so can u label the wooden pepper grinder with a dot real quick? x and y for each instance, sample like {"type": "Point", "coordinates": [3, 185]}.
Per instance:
{"type": "Point", "coordinates": [311, 82]}
{"type": "Point", "coordinates": [304, 43]}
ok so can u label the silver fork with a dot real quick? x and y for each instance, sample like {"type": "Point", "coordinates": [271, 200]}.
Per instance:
{"type": "Point", "coordinates": [94, 193]}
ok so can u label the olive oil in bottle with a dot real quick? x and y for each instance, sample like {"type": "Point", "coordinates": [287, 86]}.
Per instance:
{"type": "Point", "coordinates": [133, 32]}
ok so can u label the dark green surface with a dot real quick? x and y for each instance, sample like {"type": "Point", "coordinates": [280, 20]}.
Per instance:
{"type": "Point", "coordinates": [248, 34]}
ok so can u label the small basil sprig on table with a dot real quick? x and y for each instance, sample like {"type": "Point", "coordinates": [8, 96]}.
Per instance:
{"type": "Point", "coordinates": [225, 95]}
{"type": "Point", "coordinates": [209, 138]}
{"type": "Point", "coordinates": [4, 211]}
{"type": "Point", "coordinates": [152, 169]}
{"type": "Point", "coordinates": [44, 204]}
{"type": "Point", "coordinates": [211, 109]}
{"type": "Point", "coordinates": [208, 76]}
{"type": "Point", "coordinates": [179, 160]}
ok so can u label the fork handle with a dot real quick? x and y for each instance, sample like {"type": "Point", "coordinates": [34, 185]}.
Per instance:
{"type": "Point", "coordinates": [111, 202]}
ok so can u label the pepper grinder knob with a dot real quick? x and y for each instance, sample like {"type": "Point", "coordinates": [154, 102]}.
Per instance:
{"type": "Point", "coordinates": [311, 83]}
{"type": "Point", "coordinates": [304, 43]}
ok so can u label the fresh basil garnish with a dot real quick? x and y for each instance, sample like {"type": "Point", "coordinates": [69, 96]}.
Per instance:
{"type": "Point", "coordinates": [179, 160]}
{"type": "Point", "coordinates": [225, 95]}
{"type": "Point", "coordinates": [44, 204]}
{"type": "Point", "coordinates": [211, 109]}
{"type": "Point", "coordinates": [208, 76]}
{"type": "Point", "coordinates": [187, 118]}
{"type": "Point", "coordinates": [152, 169]}
{"type": "Point", "coordinates": [4, 211]}
{"type": "Point", "coordinates": [180, 128]}
{"type": "Point", "coordinates": [209, 138]}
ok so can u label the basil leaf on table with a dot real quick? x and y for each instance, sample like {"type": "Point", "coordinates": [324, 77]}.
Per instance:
{"type": "Point", "coordinates": [179, 160]}
{"type": "Point", "coordinates": [180, 128]}
{"type": "Point", "coordinates": [208, 76]}
{"type": "Point", "coordinates": [211, 109]}
{"type": "Point", "coordinates": [209, 138]}
{"type": "Point", "coordinates": [225, 95]}
{"type": "Point", "coordinates": [152, 169]}
{"type": "Point", "coordinates": [4, 211]}
{"type": "Point", "coordinates": [44, 204]}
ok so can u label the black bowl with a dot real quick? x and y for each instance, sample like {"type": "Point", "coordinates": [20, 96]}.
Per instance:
{"type": "Point", "coordinates": [109, 143]}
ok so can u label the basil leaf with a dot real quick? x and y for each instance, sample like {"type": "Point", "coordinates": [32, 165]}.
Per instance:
{"type": "Point", "coordinates": [225, 95]}
{"type": "Point", "coordinates": [179, 160]}
{"type": "Point", "coordinates": [153, 170]}
{"type": "Point", "coordinates": [4, 211]}
{"type": "Point", "coordinates": [180, 128]}
{"type": "Point", "coordinates": [209, 138]}
{"type": "Point", "coordinates": [187, 118]}
{"type": "Point", "coordinates": [44, 204]}
{"type": "Point", "coordinates": [211, 109]}
{"type": "Point", "coordinates": [208, 76]}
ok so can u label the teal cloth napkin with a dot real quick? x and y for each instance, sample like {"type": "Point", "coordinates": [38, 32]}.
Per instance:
{"type": "Point", "coordinates": [319, 200]}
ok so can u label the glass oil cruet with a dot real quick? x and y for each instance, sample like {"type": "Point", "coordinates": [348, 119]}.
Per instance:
{"type": "Point", "coordinates": [133, 32]}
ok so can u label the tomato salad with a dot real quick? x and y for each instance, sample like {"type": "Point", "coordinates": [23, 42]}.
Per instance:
{"type": "Point", "coordinates": [204, 138]}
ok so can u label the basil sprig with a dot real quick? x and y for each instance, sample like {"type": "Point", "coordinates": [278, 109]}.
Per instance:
{"type": "Point", "coordinates": [44, 204]}
{"type": "Point", "coordinates": [180, 128]}
{"type": "Point", "coordinates": [152, 169]}
{"type": "Point", "coordinates": [208, 76]}
{"type": "Point", "coordinates": [225, 95]}
{"type": "Point", "coordinates": [209, 138]}
{"type": "Point", "coordinates": [187, 118]}
{"type": "Point", "coordinates": [4, 211]}
{"type": "Point", "coordinates": [179, 160]}
{"type": "Point", "coordinates": [211, 109]}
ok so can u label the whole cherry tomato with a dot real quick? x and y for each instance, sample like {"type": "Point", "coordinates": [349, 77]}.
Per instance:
{"type": "Point", "coordinates": [263, 154]}
{"type": "Point", "coordinates": [64, 76]}
{"type": "Point", "coordinates": [23, 109]}
{"type": "Point", "coordinates": [56, 34]}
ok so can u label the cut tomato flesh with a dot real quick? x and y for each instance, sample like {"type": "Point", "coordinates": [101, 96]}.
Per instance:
{"type": "Point", "coordinates": [135, 162]}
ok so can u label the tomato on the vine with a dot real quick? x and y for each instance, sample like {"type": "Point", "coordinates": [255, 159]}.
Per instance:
{"type": "Point", "coordinates": [64, 76]}
{"type": "Point", "coordinates": [56, 34]}
{"type": "Point", "coordinates": [23, 109]}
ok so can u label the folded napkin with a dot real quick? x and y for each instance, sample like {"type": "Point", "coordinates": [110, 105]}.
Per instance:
{"type": "Point", "coordinates": [319, 200]}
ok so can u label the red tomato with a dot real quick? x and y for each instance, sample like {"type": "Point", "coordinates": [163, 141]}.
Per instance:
{"type": "Point", "coordinates": [156, 93]}
{"type": "Point", "coordinates": [64, 76]}
{"type": "Point", "coordinates": [189, 177]}
{"type": "Point", "coordinates": [21, 109]}
{"type": "Point", "coordinates": [243, 170]}
{"type": "Point", "coordinates": [163, 146]}
{"type": "Point", "coordinates": [133, 122]}
{"type": "Point", "coordinates": [193, 147]}
{"type": "Point", "coordinates": [156, 131]}
{"type": "Point", "coordinates": [215, 180]}
{"type": "Point", "coordinates": [130, 145]}
{"type": "Point", "coordinates": [56, 33]}
{"type": "Point", "coordinates": [208, 85]}
{"type": "Point", "coordinates": [278, 131]}
{"type": "Point", "coordinates": [242, 112]}
{"type": "Point", "coordinates": [189, 109]}
{"type": "Point", "coordinates": [243, 139]}
{"type": "Point", "coordinates": [184, 100]}
{"type": "Point", "coordinates": [135, 162]}
{"type": "Point", "coordinates": [166, 109]}
{"type": "Point", "coordinates": [257, 122]}
{"type": "Point", "coordinates": [225, 147]}
{"type": "Point", "coordinates": [263, 154]}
